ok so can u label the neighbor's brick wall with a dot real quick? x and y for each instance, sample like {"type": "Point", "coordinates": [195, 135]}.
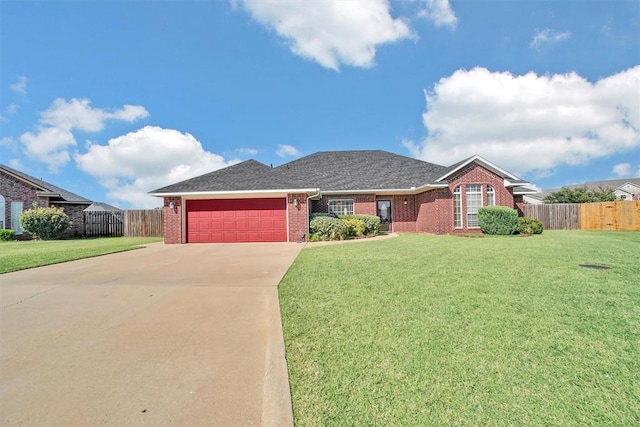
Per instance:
{"type": "Point", "coordinates": [14, 190]}
{"type": "Point", "coordinates": [172, 220]}
{"type": "Point", "coordinates": [363, 204]}
{"type": "Point", "coordinates": [76, 215]}
{"type": "Point", "coordinates": [298, 216]}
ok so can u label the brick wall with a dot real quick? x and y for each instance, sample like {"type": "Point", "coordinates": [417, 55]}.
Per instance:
{"type": "Point", "coordinates": [363, 204]}
{"type": "Point", "coordinates": [172, 220]}
{"type": "Point", "coordinates": [15, 190]}
{"type": "Point", "coordinates": [403, 216]}
{"type": "Point", "coordinates": [75, 212]}
{"type": "Point", "coordinates": [298, 216]}
{"type": "Point", "coordinates": [435, 213]}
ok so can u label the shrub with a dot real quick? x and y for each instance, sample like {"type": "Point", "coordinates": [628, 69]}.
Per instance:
{"type": "Point", "coordinates": [328, 228]}
{"type": "Point", "coordinates": [354, 226]}
{"type": "Point", "coordinates": [45, 223]}
{"type": "Point", "coordinates": [529, 226]}
{"type": "Point", "coordinates": [371, 224]}
{"type": "Point", "coordinates": [498, 220]}
{"type": "Point", "coordinates": [6, 235]}
{"type": "Point", "coordinates": [327, 214]}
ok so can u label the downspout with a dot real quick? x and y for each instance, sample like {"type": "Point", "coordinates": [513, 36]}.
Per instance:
{"type": "Point", "coordinates": [308, 209]}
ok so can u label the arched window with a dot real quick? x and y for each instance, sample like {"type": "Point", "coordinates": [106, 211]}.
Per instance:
{"type": "Point", "coordinates": [457, 207]}
{"type": "Point", "coordinates": [491, 196]}
{"type": "Point", "coordinates": [474, 202]}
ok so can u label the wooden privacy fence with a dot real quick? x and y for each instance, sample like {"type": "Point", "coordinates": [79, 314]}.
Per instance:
{"type": "Point", "coordinates": [130, 223]}
{"type": "Point", "coordinates": [143, 223]}
{"type": "Point", "coordinates": [587, 216]}
{"type": "Point", "coordinates": [103, 224]}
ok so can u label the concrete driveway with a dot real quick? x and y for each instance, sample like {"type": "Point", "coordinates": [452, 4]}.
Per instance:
{"type": "Point", "coordinates": [166, 335]}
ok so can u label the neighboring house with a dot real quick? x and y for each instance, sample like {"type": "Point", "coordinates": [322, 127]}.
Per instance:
{"type": "Point", "coordinates": [19, 191]}
{"type": "Point", "coordinates": [251, 202]}
{"type": "Point", "coordinates": [101, 207]}
{"type": "Point", "coordinates": [625, 189]}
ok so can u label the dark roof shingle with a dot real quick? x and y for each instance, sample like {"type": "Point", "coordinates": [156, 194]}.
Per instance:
{"type": "Point", "coordinates": [64, 195]}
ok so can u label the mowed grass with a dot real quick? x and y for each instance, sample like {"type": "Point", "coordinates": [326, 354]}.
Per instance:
{"type": "Point", "coordinates": [19, 255]}
{"type": "Point", "coordinates": [444, 330]}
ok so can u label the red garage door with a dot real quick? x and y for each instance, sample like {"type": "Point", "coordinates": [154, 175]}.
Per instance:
{"type": "Point", "coordinates": [236, 220]}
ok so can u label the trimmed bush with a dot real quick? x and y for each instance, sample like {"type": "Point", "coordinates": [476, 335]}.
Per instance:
{"type": "Point", "coordinates": [499, 220]}
{"type": "Point", "coordinates": [328, 228]}
{"type": "Point", "coordinates": [530, 226]}
{"type": "Point", "coordinates": [45, 223]}
{"type": "Point", "coordinates": [371, 224]}
{"type": "Point", "coordinates": [6, 235]}
{"type": "Point", "coordinates": [355, 226]}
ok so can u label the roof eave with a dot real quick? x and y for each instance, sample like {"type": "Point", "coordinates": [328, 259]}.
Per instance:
{"type": "Point", "coordinates": [222, 193]}
{"type": "Point", "coordinates": [481, 160]}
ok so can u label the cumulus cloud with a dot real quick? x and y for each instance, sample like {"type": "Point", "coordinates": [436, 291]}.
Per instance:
{"type": "Point", "coordinates": [440, 13]}
{"type": "Point", "coordinates": [626, 170]}
{"type": "Point", "coordinates": [20, 86]}
{"type": "Point", "coordinates": [131, 165]}
{"type": "Point", "coordinates": [530, 123]}
{"type": "Point", "coordinates": [51, 142]}
{"type": "Point", "coordinates": [331, 32]}
{"type": "Point", "coordinates": [287, 151]}
{"type": "Point", "coordinates": [544, 39]}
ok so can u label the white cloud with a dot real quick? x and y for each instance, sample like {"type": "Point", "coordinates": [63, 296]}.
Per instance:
{"type": "Point", "coordinates": [20, 85]}
{"type": "Point", "coordinates": [78, 114]}
{"type": "Point", "coordinates": [626, 170]}
{"type": "Point", "coordinates": [544, 39]}
{"type": "Point", "coordinates": [131, 165]}
{"type": "Point", "coordinates": [331, 32]}
{"type": "Point", "coordinates": [530, 123]}
{"type": "Point", "coordinates": [53, 138]}
{"type": "Point", "coordinates": [440, 12]}
{"type": "Point", "coordinates": [11, 109]}
{"type": "Point", "coordinates": [247, 151]}
{"type": "Point", "coordinates": [287, 151]}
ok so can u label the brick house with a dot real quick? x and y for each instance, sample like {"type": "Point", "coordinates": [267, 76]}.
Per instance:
{"type": "Point", "coordinates": [19, 191]}
{"type": "Point", "coordinates": [252, 202]}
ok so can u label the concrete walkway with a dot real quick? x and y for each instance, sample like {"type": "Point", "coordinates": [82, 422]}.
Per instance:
{"type": "Point", "coordinates": [166, 335]}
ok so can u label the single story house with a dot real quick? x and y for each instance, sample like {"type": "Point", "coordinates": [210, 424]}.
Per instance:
{"type": "Point", "coordinates": [19, 191]}
{"type": "Point", "coordinates": [626, 189]}
{"type": "Point", "coordinates": [253, 202]}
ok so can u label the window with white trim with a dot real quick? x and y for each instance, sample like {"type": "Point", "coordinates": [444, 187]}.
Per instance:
{"type": "Point", "coordinates": [491, 196]}
{"type": "Point", "coordinates": [474, 202]}
{"type": "Point", "coordinates": [457, 207]}
{"type": "Point", "coordinates": [341, 206]}
{"type": "Point", "coordinates": [16, 210]}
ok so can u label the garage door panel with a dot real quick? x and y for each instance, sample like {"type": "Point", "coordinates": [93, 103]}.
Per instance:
{"type": "Point", "coordinates": [236, 220]}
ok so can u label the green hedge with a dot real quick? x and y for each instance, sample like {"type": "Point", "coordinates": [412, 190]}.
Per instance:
{"type": "Point", "coordinates": [6, 235]}
{"type": "Point", "coordinates": [499, 220]}
{"type": "Point", "coordinates": [530, 226]}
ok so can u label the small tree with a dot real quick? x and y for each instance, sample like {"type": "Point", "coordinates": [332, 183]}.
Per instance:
{"type": "Point", "coordinates": [44, 223]}
{"type": "Point", "coordinates": [581, 195]}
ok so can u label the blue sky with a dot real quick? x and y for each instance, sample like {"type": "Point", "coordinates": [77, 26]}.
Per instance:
{"type": "Point", "coordinates": [112, 99]}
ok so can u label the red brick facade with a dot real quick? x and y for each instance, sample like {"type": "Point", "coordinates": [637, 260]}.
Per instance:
{"type": "Point", "coordinates": [173, 220]}
{"type": "Point", "coordinates": [298, 216]}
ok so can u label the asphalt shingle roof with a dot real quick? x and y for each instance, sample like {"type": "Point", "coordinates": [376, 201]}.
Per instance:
{"type": "Point", "coordinates": [65, 196]}
{"type": "Point", "coordinates": [246, 176]}
{"type": "Point", "coordinates": [360, 170]}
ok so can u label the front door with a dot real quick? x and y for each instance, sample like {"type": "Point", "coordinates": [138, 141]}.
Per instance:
{"type": "Point", "coordinates": [384, 213]}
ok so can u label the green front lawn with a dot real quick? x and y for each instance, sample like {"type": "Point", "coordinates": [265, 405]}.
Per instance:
{"type": "Point", "coordinates": [19, 255]}
{"type": "Point", "coordinates": [444, 330]}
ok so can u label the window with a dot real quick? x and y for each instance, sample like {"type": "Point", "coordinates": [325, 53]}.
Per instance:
{"type": "Point", "coordinates": [341, 206]}
{"type": "Point", "coordinates": [474, 202]}
{"type": "Point", "coordinates": [16, 210]}
{"type": "Point", "coordinates": [457, 207]}
{"type": "Point", "coordinates": [2, 207]}
{"type": "Point", "coordinates": [491, 196]}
